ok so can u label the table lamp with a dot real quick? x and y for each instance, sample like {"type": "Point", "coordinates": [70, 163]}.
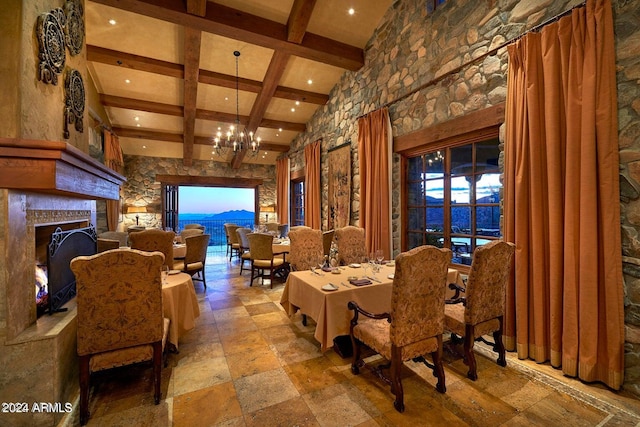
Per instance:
{"type": "Point", "coordinates": [266, 210]}
{"type": "Point", "coordinates": [137, 210]}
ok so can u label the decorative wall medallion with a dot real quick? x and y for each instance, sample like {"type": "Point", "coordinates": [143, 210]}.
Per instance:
{"type": "Point", "coordinates": [74, 30]}
{"type": "Point", "coordinates": [74, 109]}
{"type": "Point", "coordinates": [51, 42]}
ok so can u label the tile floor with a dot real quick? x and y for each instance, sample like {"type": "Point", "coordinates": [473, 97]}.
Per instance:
{"type": "Point", "coordinates": [247, 364]}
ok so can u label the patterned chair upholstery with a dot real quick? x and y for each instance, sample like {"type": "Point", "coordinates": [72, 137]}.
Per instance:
{"type": "Point", "coordinates": [481, 310]}
{"type": "Point", "coordinates": [120, 320]}
{"type": "Point", "coordinates": [242, 233]}
{"type": "Point", "coordinates": [154, 240]}
{"type": "Point", "coordinates": [305, 248]}
{"type": "Point", "coordinates": [327, 239]}
{"type": "Point", "coordinates": [195, 257]}
{"type": "Point", "coordinates": [415, 323]}
{"type": "Point", "coordinates": [351, 245]}
{"type": "Point", "coordinates": [261, 248]}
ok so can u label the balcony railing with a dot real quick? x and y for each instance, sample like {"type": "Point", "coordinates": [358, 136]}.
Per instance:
{"type": "Point", "coordinates": [215, 228]}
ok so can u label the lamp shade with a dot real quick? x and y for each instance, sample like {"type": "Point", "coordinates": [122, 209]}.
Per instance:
{"type": "Point", "coordinates": [136, 209]}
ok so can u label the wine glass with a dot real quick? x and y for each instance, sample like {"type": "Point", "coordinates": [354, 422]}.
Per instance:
{"type": "Point", "coordinates": [380, 256]}
{"type": "Point", "coordinates": [365, 264]}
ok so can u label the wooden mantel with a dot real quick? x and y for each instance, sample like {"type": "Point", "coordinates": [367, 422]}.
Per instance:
{"type": "Point", "coordinates": [55, 167]}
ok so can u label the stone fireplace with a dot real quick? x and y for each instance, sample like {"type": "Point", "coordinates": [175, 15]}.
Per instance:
{"type": "Point", "coordinates": [42, 184]}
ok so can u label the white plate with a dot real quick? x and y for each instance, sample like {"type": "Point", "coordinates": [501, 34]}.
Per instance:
{"type": "Point", "coordinates": [336, 271]}
{"type": "Point", "coordinates": [172, 272]}
{"type": "Point", "coordinates": [354, 265]}
{"type": "Point", "coordinates": [390, 276]}
{"type": "Point", "coordinates": [391, 264]}
{"type": "Point", "coordinates": [329, 287]}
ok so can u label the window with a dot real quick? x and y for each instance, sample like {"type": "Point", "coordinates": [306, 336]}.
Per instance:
{"type": "Point", "coordinates": [297, 201]}
{"type": "Point", "coordinates": [453, 198]}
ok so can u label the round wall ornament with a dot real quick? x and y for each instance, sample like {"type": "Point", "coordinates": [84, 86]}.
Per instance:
{"type": "Point", "coordinates": [74, 30]}
{"type": "Point", "coordinates": [75, 99]}
{"type": "Point", "coordinates": [51, 44]}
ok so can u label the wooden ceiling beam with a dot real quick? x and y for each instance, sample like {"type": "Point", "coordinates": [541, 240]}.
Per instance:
{"type": "Point", "coordinates": [134, 62]}
{"type": "Point", "coordinates": [237, 25]}
{"type": "Point", "coordinates": [264, 146]}
{"type": "Point", "coordinates": [299, 20]}
{"type": "Point", "coordinates": [270, 83]}
{"type": "Point", "coordinates": [140, 105]}
{"type": "Point", "coordinates": [147, 134]}
{"type": "Point", "coordinates": [141, 63]}
{"type": "Point", "coordinates": [192, 40]}
{"type": "Point", "coordinates": [197, 7]}
{"type": "Point", "coordinates": [277, 124]}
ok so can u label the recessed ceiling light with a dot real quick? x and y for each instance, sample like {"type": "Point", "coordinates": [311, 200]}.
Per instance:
{"type": "Point", "coordinates": [279, 129]}
{"type": "Point", "coordinates": [112, 21]}
{"type": "Point", "coordinates": [144, 146]}
{"type": "Point", "coordinates": [293, 110]}
{"type": "Point", "coordinates": [277, 134]}
{"type": "Point", "coordinates": [127, 81]}
{"type": "Point", "coordinates": [310, 81]}
{"type": "Point", "coordinates": [297, 102]}
{"type": "Point", "coordinates": [138, 125]}
{"type": "Point", "coordinates": [263, 157]}
{"type": "Point", "coordinates": [226, 98]}
{"type": "Point", "coordinates": [136, 118]}
{"type": "Point", "coordinates": [352, 11]}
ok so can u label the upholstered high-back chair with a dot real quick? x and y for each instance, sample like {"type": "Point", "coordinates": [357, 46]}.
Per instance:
{"type": "Point", "coordinates": [273, 227]}
{"type": "Point", "coordinates": [262, 259]}
{"type": "Point", "coordinates": [195, 257]}
{"type": "Point", "coordinates": [481, 310]}
{"type": "Point", "coordinates": [226, 226]}
{"type": "Point", "coordinates": [154, 240]}
{"type": "Point", "coordinates": [194, 227]}
{"type": "Point", "coordinates": [106, 244]}
{"type": "Point", "coordinates": [233, 245]}
{"type": "Point", "coordinates": [121, 236]}
{"type": "Point", "coordinates": [283, 229]}
{"type": "Point", "coordinates": [414, 326]}
{"type": "Point", "coordinates": [120, 320]}
{"type": "Point", "coordinates": [189, 232]}
{"type": "Point", "coordinates": [327, 239]}
{"type": "Point", "coordinates": [351, 244]}
{"type": "Point", "coordinates": [305, 248]}
{"type": "Point", "coordinates": [242, 233]}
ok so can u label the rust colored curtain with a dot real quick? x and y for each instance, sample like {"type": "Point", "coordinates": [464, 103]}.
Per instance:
{"type": "Point", "coordinates": [374, 144]}
{"type": "Point", "coordinates": [312, 215]}
{"type": "Point", "coordinates": [561, 200]}
{"type": "Point", "coordinates": [282, 190]}
{"type": "Point", "coordinates": [112, 159]}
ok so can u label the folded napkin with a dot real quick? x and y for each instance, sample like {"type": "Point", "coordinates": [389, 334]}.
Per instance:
{"type": "Point", "coordinates": [360, 282]}
{"type": "Point", "coordinates": [327, 269]}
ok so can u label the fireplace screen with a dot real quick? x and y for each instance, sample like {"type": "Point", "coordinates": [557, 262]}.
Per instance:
{"type": "Point", "coordinates": [64, 246]}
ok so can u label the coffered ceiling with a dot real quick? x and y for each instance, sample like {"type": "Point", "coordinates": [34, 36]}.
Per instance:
{"type": "Point", "coordinates": [166, 72]}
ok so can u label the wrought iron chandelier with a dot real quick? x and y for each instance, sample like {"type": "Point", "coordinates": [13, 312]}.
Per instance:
{"type": "Point", "coordinates": [236, 139]}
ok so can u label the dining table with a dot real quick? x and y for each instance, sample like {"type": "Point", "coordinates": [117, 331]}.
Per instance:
{"type": "Point", "coordinates": [179, 305]}
{"type": "Point", "coordinates": [309, 292]}
{"type": "Point", "coordinates": [179, 250]}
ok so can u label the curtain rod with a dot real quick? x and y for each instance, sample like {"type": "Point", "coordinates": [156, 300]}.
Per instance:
{"type": "Point", "coordinates": [472, 61]}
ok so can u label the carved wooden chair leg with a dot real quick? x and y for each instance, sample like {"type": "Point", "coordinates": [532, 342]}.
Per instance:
{"type": "Point", "coordinates": [355, 364]}
{"type": "Point", "coordinates": [468, 353]}
{"type": "Point", "coordinates": [157, 371]}
{"type": "Point", "coordinates": [396, 380]}
{"type": "Point", "coordinates": [499, 346]}
{"type": "Point", "coordinates": [84, 389]}
{"type": "Point", "coordinates": [438, 369]}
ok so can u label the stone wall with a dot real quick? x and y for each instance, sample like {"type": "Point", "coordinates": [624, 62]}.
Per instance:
{"type": "Point", "coordinates": [429, 69]}
{"type": "Point", "coordinates": [142, 188]}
